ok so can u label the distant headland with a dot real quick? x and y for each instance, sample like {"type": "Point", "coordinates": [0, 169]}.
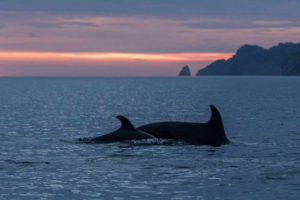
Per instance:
{"type": "Point", "coordinates": [282, 59]}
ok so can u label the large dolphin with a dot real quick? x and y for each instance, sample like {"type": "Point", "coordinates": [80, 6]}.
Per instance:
{"type": "Point", "coordinates": [209, 133]}
{"type": "Point", "coordinates": [126, 132]}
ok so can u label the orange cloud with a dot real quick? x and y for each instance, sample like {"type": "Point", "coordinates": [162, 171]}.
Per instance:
{"type": "Point", "coordinates": [111, 56]}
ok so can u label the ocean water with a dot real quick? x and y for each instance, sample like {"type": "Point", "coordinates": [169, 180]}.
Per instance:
{"type": "Point", "coordinates": [41, 118]}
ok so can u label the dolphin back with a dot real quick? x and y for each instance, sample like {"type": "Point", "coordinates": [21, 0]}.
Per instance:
{"type": "Point", "coordinates": [126, 132]}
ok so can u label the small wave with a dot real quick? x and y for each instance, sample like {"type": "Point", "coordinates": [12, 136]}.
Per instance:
{"type": "Point", "coordinates": [148, 141]}
{"type": "Point", "coordinates": [245, 143]}
{"type": "Point", "coordinates": [70, 141]}
{"type": "Point", "coordinates": [24, 162]}
{"type": "Point", "coordinates": [121, 156]}
{"type": "Point", "coordinates": [151, 141]}
{"type": "Point", "coordinates": [276, 176]}
{"type": "Point", "coordinates": [80, 141]}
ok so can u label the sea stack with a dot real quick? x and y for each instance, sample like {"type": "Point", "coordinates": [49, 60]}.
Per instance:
{"type": "Point", "coordinates": [185, 71]}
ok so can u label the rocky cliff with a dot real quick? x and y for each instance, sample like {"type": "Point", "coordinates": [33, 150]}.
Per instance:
{"type": "Point", "coordinates": [255, 60]}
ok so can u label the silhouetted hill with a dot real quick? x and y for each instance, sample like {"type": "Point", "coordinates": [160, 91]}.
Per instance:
{"type": "Point", "coordinates": [291, 67]}
{"type": "Point", "coordinates": [255, 60]}
{"type": "Point", "coordinates": [185, 71]}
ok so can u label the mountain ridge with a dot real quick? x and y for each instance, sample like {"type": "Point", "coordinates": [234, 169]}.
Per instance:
{"type": "Point", "coordinates": [256, 60]}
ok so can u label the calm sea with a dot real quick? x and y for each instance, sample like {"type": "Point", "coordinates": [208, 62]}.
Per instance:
{"type": "Point", "coordinates": [41, 118]}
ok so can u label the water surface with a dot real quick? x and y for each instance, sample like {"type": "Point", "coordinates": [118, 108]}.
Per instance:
{"type": "Point", "coordinates": [40, 119]}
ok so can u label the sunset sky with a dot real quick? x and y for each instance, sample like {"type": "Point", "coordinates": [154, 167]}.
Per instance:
{"type": "Point", "coordinates": [135, 37]}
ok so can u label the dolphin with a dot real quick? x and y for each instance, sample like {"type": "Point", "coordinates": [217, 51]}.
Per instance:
{"type": "Point", "coordinates": [210, 133]}
{"type": "Point", "coordinates": [126, 132]}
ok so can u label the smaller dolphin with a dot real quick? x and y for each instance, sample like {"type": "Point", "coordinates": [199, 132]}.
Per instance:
{"type": "Point", "coordinates": [126, 132]}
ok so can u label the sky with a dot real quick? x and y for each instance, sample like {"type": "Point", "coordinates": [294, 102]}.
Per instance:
{"type": "Point", "coordinates": [135, 37]}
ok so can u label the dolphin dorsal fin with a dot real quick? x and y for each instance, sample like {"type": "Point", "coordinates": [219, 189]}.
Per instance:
{"type": "Point", "coordinates": [216, 122]}
{"type": "Point", "coordinates": [215, 115]}
{"type": "Point", "coordinates": [125, 123]}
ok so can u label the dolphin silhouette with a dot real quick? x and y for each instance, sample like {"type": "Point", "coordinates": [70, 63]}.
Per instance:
{"type": "Point", "coordinates": [210, 133]}
{"type": "Point", "coordinates": [126, 132]}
